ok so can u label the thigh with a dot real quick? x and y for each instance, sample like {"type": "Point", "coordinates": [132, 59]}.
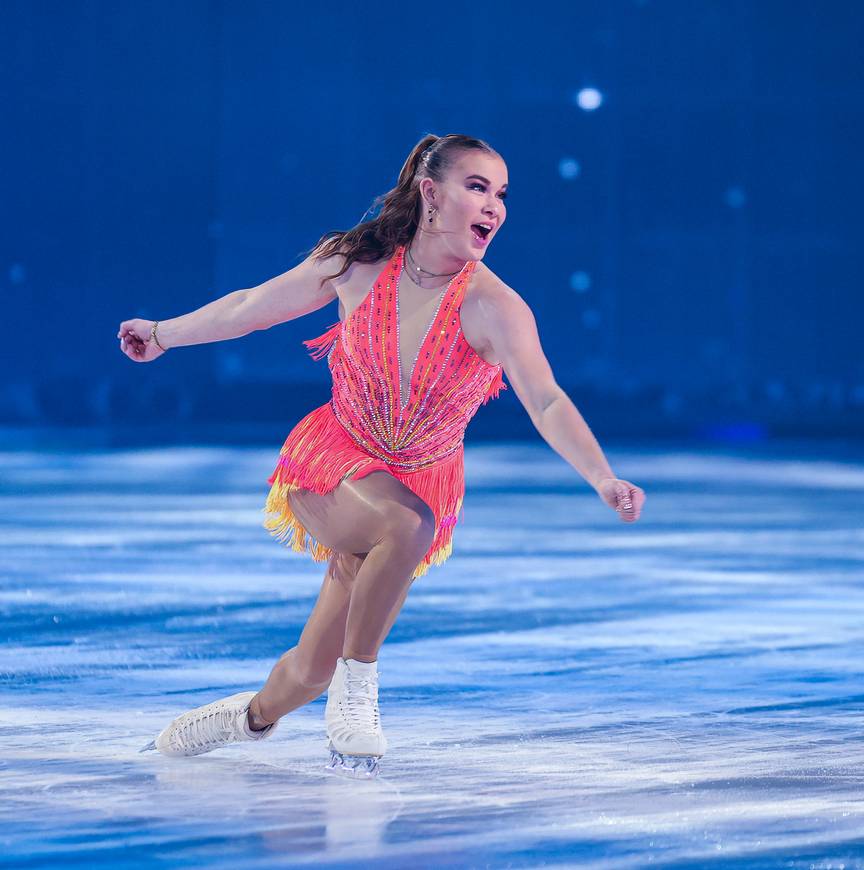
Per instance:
{"type": "Point", "coordinates": [353, 517]}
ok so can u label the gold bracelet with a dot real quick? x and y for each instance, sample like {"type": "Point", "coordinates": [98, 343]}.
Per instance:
{"type": "Point", "coordinates": [153, 335]}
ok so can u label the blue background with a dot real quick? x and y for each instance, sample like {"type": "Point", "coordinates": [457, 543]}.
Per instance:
{"type": "Point", "coordinates": [685, 692]}
{"type": "Point", "coordinates": [159, 155]}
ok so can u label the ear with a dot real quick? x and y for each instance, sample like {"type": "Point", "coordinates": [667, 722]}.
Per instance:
{"type": "Point", "coordinates": [427, 192]}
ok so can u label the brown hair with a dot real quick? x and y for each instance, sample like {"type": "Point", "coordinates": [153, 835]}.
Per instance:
{"type": "Point", "coordinates": [396, 222]}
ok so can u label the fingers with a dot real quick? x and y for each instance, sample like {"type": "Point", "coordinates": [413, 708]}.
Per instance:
{"type": "Point", "coordinates": [624, 504]}
{"type": "Point", "coordinates": [622, 496]}
{"type": "Point", "coordinates": [629, 501]}
{"type": "Point", "coordinates": [132, 346]}
{"type": "Point", "coordinates": [126, 330]}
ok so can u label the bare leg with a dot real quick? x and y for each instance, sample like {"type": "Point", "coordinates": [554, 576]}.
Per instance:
{"type": "Point", "coordinates": [305, 670]}
{"type": "Point", "coordinates": [381, 517]}
{"type": "Point", "coordinates": [379, 592]}
{"type": "Point", "coordinates": [380, 531]}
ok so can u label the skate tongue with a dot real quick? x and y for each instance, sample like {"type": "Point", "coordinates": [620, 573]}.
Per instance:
{"type": "Point", "coordinates": [361, 667]}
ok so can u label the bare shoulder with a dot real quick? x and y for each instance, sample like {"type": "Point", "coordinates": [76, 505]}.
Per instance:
{"type": "Point", "coordinates": [324, 267]}
{"type": "Point", "coordinates": [490, 290]}
{"type": "Point", "coordinates": [489, 303]}
{"type": "Point", "coordinates": [344, 284]}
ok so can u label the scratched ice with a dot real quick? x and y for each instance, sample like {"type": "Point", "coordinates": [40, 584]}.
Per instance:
{"type": "Point", "coordinates": [566, 690]}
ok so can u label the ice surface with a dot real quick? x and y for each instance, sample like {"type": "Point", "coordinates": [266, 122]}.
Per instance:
{"type": "Point", "coordinates": [567, 690]}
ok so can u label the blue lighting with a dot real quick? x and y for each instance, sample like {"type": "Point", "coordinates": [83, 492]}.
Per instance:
{"type": "Point", "coordinates": [568, 167]}
{"type": "Point", "coordinates": [742, 431]}
{"type": "Point", "coordinates": [735, 196]}
{"type": "Point", "coordinates": [588, 99]}
{"type": "Point", "coordinates": [591, 318]}
{"type": "Point", "coordinates": [580, 281]}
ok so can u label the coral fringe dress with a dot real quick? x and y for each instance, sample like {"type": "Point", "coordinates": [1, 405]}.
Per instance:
{"type": "Point", "coordinates": [368, 426]}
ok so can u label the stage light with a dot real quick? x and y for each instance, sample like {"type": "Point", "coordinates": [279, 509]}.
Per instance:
{"type": "Point", "coordinates": [735, 196]}
{"type": "Point", "coordinates": [17, 273]}
{"type": "Point", "coordinates": [568, 167]}
{"type": "Point", "coordinates": [580, 281]}
{"type": "Point", "coordinates": [588, 99]}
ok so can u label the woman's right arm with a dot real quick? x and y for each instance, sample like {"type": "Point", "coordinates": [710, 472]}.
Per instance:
{"type": "Point", "coordinates": [286, 297]}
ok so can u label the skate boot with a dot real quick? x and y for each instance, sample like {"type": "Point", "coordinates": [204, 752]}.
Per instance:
{"type": "Point", "coordinates": [354, 735]}
{"type": "Point", "coordinates": [209, 727]}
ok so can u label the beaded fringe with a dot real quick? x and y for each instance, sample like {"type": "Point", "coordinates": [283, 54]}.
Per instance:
{"type": "Point", "coordinates": [312, 458]}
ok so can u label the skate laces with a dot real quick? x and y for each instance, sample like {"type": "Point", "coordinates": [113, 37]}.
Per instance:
{"type": "Point", "coordinates": [361, 696]}
{"type": "Point", "coordinates": [207, 729]}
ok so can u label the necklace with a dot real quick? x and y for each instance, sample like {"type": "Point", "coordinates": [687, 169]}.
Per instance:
{"type": "Point", "coordinates": [428, 273]}
{"type": "Point", "coordinates": [415, 281]}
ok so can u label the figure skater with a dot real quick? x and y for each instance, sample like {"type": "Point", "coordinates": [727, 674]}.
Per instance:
{"type": "Point", "coordinates": [372, 482]}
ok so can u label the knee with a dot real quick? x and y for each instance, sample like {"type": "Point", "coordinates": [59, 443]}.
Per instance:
{"type": "Point", "coordinates": [412, 526]}
{"type": "Point", "coordinates": [344, 568]}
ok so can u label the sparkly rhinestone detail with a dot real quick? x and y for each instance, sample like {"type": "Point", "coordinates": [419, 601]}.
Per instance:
{"type": "Point", "coordinates": [447, 382]}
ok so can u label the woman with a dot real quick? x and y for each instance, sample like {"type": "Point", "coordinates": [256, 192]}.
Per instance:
{"type": "Point", "coordinates": [372, 482]}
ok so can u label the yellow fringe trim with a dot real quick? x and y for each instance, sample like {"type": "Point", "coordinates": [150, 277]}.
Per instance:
{"type": "Point", "coordinates": [286, 528]}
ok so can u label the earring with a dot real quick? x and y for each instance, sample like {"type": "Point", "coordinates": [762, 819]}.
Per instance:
{"type": "Point", "coordinates": [430, 212]}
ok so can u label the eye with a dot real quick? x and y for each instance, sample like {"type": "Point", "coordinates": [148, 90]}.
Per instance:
{"type": "Point", "coordinates": [478, 184]}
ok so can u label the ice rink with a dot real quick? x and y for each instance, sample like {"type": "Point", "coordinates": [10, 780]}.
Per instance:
{"type": "Point", "coordinates": [567, 690]}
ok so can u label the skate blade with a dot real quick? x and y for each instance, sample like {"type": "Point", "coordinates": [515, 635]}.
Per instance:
{"type": "Point", "coordinates": [148, 747]}
{"type": "Point", "coordinates": [353, 766]}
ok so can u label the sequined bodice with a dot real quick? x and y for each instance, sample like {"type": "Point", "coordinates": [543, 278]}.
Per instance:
{"type": "Point", "coordinates": [447, 382]}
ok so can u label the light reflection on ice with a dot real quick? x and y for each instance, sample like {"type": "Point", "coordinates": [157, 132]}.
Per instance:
{"type": "Point", "coordinates": [567, 687]}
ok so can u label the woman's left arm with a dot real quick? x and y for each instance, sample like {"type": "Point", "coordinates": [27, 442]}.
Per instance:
{"type": "Point", "coordinates": [511, 330]}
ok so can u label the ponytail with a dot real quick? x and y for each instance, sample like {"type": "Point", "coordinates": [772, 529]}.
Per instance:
{"type": "Point", "coordinates": [398, 210]}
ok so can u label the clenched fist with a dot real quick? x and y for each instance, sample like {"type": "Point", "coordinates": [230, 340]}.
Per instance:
{"type": "Point", "coordinates": [625, 497]}
{"type": "Point", "coordinates": [135, 340]}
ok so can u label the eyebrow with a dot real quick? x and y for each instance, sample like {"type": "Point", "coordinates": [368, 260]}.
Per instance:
{"type": "Point", "coordinates": [484, 180]}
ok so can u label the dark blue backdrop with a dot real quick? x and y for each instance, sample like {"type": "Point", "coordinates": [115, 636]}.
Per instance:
{"type": "Point", "coordinates": [691, 248]}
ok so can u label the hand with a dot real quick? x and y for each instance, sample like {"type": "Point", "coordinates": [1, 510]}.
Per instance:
{"type": "Point", "coordinates": [623, 496]}
{"type": "Point", "coordinates": [135, 340]}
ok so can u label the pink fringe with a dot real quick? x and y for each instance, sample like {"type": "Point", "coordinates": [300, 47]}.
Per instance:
{"type": "Point", "coordinates": [323, 343]}
{"type": "Point", "coordinates": [319, 454]}
{"type": "Point", "coordinates": [495, 387]}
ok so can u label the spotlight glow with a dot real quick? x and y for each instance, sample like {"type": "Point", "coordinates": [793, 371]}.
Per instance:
{"type": "Point", "coordinates": [568, 167]}
{"type": "Point", "coordinates": [589, 99]}
{"type": "Point", "coordinates": [580, 281]}
{"type": "Point", "coordinates": [735, 196]}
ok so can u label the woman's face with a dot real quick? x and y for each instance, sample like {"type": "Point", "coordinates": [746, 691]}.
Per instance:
{"type": "Point", "coordinates": [473, 193]}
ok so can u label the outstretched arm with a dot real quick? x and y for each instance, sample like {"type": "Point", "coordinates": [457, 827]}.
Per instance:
{"type": "Point", "coordinates": [512, 332]}
{"type": "Point", "coordinates": [290, 295]}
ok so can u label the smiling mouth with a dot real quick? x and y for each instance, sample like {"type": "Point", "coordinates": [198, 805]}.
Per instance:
{"type": "Point", "coordinates": [481, 232]}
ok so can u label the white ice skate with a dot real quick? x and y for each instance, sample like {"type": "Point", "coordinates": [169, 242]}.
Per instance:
{"type": "Point", "coordinates": [209, 727]}
{"type": "Point", "coordinates": [354, 735]}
